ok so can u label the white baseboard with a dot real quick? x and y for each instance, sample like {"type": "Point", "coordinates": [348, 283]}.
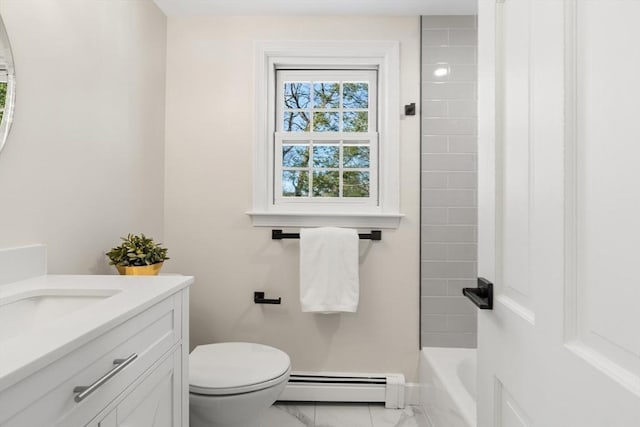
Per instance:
{"type": "Point", "coordinates": [412, 393]}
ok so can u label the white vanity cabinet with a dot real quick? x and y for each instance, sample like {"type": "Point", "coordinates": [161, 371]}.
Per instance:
{"type": "Point", "coordinates": [154, 402]}
{"type": "Point", "coordinates": [132, 374]}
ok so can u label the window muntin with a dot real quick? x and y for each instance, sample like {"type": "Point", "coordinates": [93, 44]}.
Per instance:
{"type": "Point", "coordinates": [326, 139]}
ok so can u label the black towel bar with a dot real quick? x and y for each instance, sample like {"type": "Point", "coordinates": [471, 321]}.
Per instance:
{"type": "Point", "coordinates": [279, 235]}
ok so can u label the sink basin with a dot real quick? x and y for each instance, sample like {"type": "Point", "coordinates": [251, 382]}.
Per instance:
{"type": "Point", "coordinates": [29, 310]}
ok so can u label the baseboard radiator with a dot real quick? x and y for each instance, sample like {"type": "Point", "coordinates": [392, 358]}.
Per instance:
{"type": "Point", "coordinates": [345, 387]}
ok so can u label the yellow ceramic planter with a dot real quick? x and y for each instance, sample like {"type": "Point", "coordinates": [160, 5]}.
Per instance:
{"type": "Point", "coordinates": [143, 270]}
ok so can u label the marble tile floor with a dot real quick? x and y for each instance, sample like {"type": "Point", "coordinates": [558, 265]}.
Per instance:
{"type": "Point", "coordinates": [296, 414]}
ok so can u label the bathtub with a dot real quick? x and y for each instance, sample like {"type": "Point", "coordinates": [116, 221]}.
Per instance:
{"type": "Point", "coordinates": [448, 386]}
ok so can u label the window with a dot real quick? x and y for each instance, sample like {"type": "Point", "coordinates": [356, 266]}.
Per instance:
{"type": "Point", "coordinates": [326, 137]}
{"type": "Point", "coordinates": [326, 148]}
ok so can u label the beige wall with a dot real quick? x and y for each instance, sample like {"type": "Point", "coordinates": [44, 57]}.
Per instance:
{"type": "Point", "coordinates": [84, 161]}
{"type": "Point", "coordinates": [209, 130]}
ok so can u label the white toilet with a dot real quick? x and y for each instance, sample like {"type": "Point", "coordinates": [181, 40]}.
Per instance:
{"type": "Point", "coordinates": [231, 383]}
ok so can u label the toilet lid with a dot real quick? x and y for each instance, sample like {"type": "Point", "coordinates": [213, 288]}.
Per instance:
{"type": "Point", "coordinates": [235, 367]}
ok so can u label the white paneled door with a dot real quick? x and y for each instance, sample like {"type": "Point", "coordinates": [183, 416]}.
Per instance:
{"type": "Point", "coordinates": [559, 126]}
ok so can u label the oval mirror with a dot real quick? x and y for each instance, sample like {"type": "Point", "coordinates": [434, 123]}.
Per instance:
{"type": "Point", "coordinates": [7, 85]}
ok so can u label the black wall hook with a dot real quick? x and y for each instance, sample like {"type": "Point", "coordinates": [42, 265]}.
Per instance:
{"type": "Point", "coordinates": [410, 109]}
{"type": "Point", "coordinates": [258, 298]}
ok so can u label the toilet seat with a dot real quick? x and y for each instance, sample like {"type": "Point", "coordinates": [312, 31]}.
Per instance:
{"type": "Point", "coordinates": [236, 367]}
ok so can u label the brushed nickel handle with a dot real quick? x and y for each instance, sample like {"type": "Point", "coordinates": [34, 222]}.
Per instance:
{"type": "Point", "coordinates": [84, 391]}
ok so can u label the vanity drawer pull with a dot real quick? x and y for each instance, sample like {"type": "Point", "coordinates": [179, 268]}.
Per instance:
{"type": "Point", "coordinates": [84, 391]}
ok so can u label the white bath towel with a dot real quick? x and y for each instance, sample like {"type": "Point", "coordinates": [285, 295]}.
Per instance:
{"type": "Point", "coordinates": [329, 270]}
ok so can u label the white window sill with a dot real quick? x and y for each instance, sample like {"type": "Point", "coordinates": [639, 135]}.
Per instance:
{"type": "Point", "coordinates": [298, 219]}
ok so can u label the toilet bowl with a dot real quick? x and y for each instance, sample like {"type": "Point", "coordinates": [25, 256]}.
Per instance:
{"type": "Point", "coordinates": [230, 384]}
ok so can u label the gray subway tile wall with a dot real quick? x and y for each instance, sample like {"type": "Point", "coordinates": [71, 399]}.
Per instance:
{"type": "Point", "coordinates": [449, 22]}
{"type": "Point", "coordinates": [449, 180]}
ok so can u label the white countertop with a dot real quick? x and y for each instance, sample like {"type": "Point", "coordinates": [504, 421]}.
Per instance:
{"type": "Point", "coordinates": [24, 354]}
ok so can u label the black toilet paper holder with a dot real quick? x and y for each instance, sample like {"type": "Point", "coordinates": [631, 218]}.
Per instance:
{"type": "Point", "coordinates": [258, 298]}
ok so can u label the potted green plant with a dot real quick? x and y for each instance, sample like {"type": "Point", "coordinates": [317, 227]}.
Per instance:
{"type": "Point", "coordinates": [138, 255]}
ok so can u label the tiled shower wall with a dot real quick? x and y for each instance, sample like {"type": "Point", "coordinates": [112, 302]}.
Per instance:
{"type": "Point", "coordinates": [449, 180]}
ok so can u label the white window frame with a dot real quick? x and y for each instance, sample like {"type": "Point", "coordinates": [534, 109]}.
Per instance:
{"type": "Point", "coordinates": [382, 56]}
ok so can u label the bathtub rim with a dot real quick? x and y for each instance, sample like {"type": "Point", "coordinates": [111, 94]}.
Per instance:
{"type": "Point", "coordinates": [445, 359]}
